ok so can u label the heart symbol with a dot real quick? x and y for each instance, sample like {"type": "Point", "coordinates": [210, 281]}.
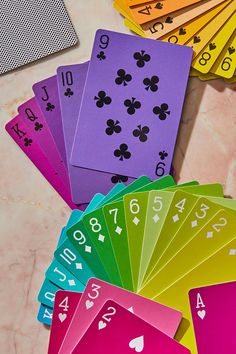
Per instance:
{"type": "Point", "coordinates": [62, 317]}
{"type": "Point", "coordinates": [101, 325]}
{"type": "Point", "coordinates": [212, 46]}
{"type": "Point", "coordinates": [231, 50]}
{"type": "Point", "coordinates": [182, 31]}
{"type": "Point", "coordinates": [169, 19]}
{"type": "Point", "coordinates": [202, 314]}
{"type": "Point", "coordinates": [137, 344]}
{"type": "Point", "coordinates": [89, 304]}
{"type": "Point", "coordinates": [196, 39]}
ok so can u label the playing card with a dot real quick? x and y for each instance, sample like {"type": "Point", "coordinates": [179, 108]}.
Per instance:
{"type": "Point", "coordinates": [214, 322]}
{"type": "Point", "coordinates": [117, 330]}
{"type": "Point", "coordinates": [31, 30]}
{"type": "Point", "coordinates": [219, 268]}
{"type": "Point", "coordinates": [155, 9]}
{"type": "Point", "coordinates": [225, 64]}
{"type": "Point", "coordinates": [63, 311]}
{"type": "Point", "coordinates": [38, 128]}
{"type": "Point", "coordinates": [20, 133]}
{"type": "Point", "coordinates": [211, 238]}
{"type": "Point", "coordinates": [165, 24]}
{"type": "Point", "coordinates": [45, 315]}
{"type": "Point", "coordinates": [207, 57]}
{"type": "Point", "coordinates": [97, 292]}
{"type": "Point", "coordinates": [47, 293]}
{"type": "Point", "coordinates": [84, 183]}
{"type": "Point", "coordinates": [46, 93]}
{"type": "Point", "coordinates": [131, 110]}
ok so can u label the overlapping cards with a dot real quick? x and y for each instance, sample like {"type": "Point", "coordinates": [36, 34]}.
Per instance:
{"type": "Point", "coordinates": [106, 121]}
{"type": "Point", "coordinates": [207, 26]}
{"type": "Point", "coordinates": [155, 239]}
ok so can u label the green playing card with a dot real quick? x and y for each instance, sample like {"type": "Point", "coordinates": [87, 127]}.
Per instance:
{"type": "Point", "coordinates": [214, 189]}
{"type": "Point", "coordinates": [202, 211]}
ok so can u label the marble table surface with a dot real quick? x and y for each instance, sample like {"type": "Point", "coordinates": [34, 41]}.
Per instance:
{"type": "Point", "coordinates": [31, 212]}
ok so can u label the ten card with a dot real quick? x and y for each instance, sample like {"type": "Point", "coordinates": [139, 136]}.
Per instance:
{"type": "Point", "coordinates": [117, 330]}
{"type": "Point", "coordinates": [214, 318]}
{"type": "Point", "coordinates": [97, 292]}
{"type": "Point", "coordinates": [130, 107]}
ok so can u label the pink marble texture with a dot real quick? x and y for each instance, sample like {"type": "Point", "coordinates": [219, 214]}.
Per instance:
{"type": "Point", "coordinates": [31, 212]}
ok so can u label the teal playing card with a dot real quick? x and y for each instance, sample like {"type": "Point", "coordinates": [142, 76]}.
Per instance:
{"type": "Point", "coordinates": [45, 315]}
{"type": "Point", "coordinates": [47, 293]}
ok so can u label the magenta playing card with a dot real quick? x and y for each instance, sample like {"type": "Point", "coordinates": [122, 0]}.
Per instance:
{"type": "Point", "coordinates": [97, 292]}
{"type": "Point", "coordinates": [37, 125]}
{"type": "Point", "coordinates": [20, 133]}
{"type": "Point", "coordinates": [132, 104]}
{"type": "Point", "coordinates": [63, 311]}
{"type": "Point", "coordinates": [214, 318]}
{"type": "Point", "coordinates": [84, 183]}
{"type": "Point", "coordinates": [116, 330]}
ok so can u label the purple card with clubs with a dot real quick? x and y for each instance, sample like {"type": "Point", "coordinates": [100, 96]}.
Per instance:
{"type": "Point", "coordinates": [84, 183]}
{"type": "Point", "coordinates": [48, 100]}
{"type": "Point", "coordinates": [131, 106]}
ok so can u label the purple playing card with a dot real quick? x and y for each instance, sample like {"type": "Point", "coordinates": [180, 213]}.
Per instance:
{"type": "Point", "coordinates": [32, 116]}
{"type": "Point", "coordinates": [84, 183]}
{"type": "Point", "coordinates": [48, 100]}
{"type": "Point", "coordinates": [131, 105]}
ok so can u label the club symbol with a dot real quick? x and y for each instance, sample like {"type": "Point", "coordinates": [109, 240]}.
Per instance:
{"type": "Point", "coordinates": [50, 107]}
{"type": "Point", "coordinates": [119, 178]}
{"type": "Point", "coordinates": [163, 154]}
{"type": "Point", "coordinates": [141, 58]}
{"type": "Point", "coordinates": [123, 78]}
{"type": "Point", "coordinates": [122, 152]}
{"type": "Point", "coordinates": [102, 99]}
{"type": "Point", "coordinates": [27, 142]}
{"type": "Point", "coordinates": [38, 127]}
{"type": "Point", "coordinates": [162, 111]}
{"type": "Point", "coordinates": [101, 56]}
{"type": "Point", "coordinates": [141, 133]}
{"type": "Point", "coordinates": [231, 50]}
{"type": "Point", "coordinates": [132, 105]}
{"type": "Point", "coordinates": [159, 6]}
{"type": "Point", "coordinates": [196, 39]}
{"type": "Point", "coordinates": [151, 83]}
{"type": "Point", "coordinates": [113, 127]}
{"type": "Point", "coordinates": [169, 19]}
{"type": "Point", "coordinates": [69, 92]}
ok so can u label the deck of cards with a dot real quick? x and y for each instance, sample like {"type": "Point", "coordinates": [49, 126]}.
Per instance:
{"type": "Point", "coordinates": [123, 270]}
{"type": "Point", "coordinates": [106, 121]}
{"type": "Point", "coordinates": [207, 26]}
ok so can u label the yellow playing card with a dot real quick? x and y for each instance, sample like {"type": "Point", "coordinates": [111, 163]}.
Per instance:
{"type": "Point", "coordinates": [219, 268]}
{"type": "Point", "coordinates": [225, 64]}
{"type": "Point", "coordinates": [214, 235]}
{"type": "Point", "coordinates": [203, 37]}
{"type": "Point", "coordinates": [209, 54]}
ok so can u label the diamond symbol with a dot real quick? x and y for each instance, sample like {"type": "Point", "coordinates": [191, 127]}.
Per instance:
{"type": "Point", "coordinates": [194, 223]}
{"type": "Point", "coordinates": [232, 252]}
{"type": "Point", "coordinates": [101, 238]}
{"type": "Point", "coordinates": [156, 218]}
{"type": "Point", "coordinates": [78, 266]}
{"type": "Point", "coordinates": [71, 282]}
{"type": "Point", "coordinates": [88, 249]}
{"type": "Point", "coordinates": [210, 234]}
{"type": "Point", "coordinates": [136, 220]}
{"type": "Point", "coordinates": [175, 218]}
{"type": "Point", "coordinates": [118, 230]}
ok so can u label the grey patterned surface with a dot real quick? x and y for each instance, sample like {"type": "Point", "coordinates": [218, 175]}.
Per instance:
{"type": "Point", "coordinates": [32, 29]}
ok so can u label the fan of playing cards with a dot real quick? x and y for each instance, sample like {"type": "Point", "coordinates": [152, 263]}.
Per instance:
{"type": "Point", "coordinates": [208, 26]}
{"type": "Point", "coordinates": [134, 254]}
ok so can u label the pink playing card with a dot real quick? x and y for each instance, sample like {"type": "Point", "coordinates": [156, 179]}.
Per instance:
{"type": "Point", "coordinates": [20, 133]}
{"type": "Point", "coordinates": [214, 318]}
{"type": "Point", "coordinates": [97, 292]}
{"type": "Point", "coordinates": [63, 311]}
{"type": "Point", "coordinates": [38, 128]}
{"type": "Point", "coordinates": [116, 330]}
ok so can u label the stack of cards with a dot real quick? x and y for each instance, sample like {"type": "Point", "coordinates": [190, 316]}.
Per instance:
{"type": "Point", "coordinates": [207, 26]}
{"type": "Point", "coordinates": [106, 121]}
{"type": "Point", "coordinates": [156, 239]}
